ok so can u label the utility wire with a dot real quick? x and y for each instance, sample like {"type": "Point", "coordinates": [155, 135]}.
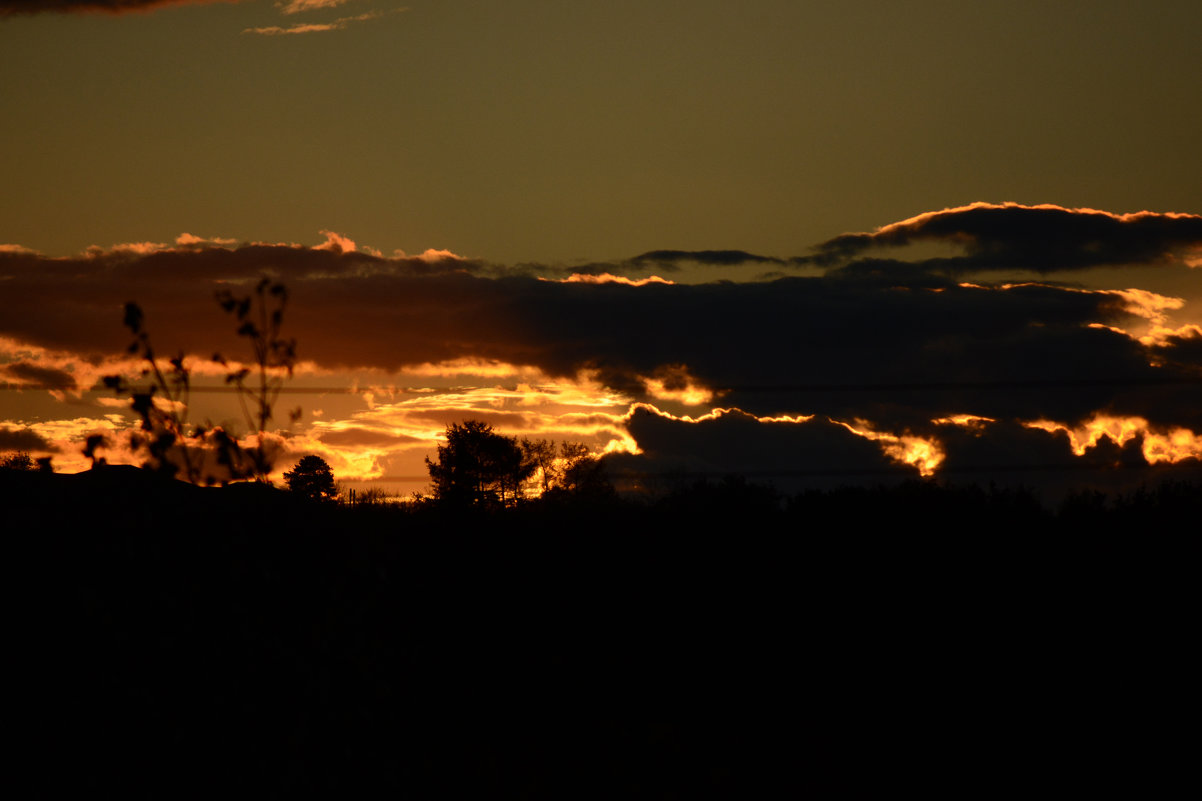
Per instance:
{"type": "Point", "coordinates": [913, 386]}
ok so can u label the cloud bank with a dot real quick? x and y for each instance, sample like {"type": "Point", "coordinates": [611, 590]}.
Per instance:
{"type": "Point", "coordinates": [857, 372]}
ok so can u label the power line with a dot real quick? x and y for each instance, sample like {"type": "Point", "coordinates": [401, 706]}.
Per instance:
{"type": "Point", "coordinates": [912, 386]}
{"type": "Point", "coordinates": [1042, 383]}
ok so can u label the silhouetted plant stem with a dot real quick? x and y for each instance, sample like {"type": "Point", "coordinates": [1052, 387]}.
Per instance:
{"type": "Point", "coordinates": [165, 427]}
{"type": "Point", "coordinates": [169, 427]}
{"type": "Point", "coordinates": [271, 352]}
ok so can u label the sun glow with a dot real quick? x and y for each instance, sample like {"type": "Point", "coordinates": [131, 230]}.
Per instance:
{"type": "Point", "coordinates": [965, 420]}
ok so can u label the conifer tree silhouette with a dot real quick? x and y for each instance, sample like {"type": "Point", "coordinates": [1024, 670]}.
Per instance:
{"type": "Point", "coordinates": [312, 478]}
{"type": "Point", "coordinates": [478, 467]}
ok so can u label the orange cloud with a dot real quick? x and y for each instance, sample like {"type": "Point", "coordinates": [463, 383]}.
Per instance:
{"type": "Point", "coordinates": [673, 382]}
{"type": "Point", "coordinates": [467, 366]}
{"type": "Point", "coordinates": [127, 248]}
{"type": "Point", "coordinates": [966, 420]}
{"type": "Point", "coordinates": [922, 453]}
{"type": "Point", "coordinates": [82, 373]}
{"type": "Point", "coordinates": [391, 438]}
{"type": "Point", "coordinates": [300, 6]}
{"type": "Point", "coordinates": [1173, 445]}
{"type": "Point", "coordinates": [189, 240]}
{"type": "Point", "coordinates": [609, 278]}
{"type": "Point", "coordinates": [66, 437]}
{"type": "Point", "coordinates": [430, 255]}
{"type": "Point", "coordinates": [1158, 335]}
{"type": "Point", "coordinates": [336, 243]}
{"type": "Point", "coordinates": [1143, 303]}
{"type": "Point", "coordinates": [336, 25]}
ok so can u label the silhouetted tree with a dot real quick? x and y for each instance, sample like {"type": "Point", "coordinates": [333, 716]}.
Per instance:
{"type": "Point", "coordinates": [478, 467]}
{"type": "Point", "coordinates": [570, 468]}
{"type": "Point", "coordinates": [581, 471]}
{"type": "Point", "coordinates": [540, 455]}
{"type": "Point", "coordinates": [312, 478]}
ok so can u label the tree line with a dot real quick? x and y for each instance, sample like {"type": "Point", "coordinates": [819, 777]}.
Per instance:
{"type": "Point", "coordinates": [482, 469]}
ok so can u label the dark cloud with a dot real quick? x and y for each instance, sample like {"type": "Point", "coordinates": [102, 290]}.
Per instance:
{"type": "Point", "coordinates": [1184, 351]}
{"type": "Point", "coordinates": [792, 456]}
{"type": "Point", "coordinates": [1045, 238]}
{"type": "Point", "coordinates": [830, 347]}
{"type": "Point", "coordinates": [14, 7]}
{"type": "Point", "coordinates": [451, 413]}
{"type": "Point", "coordinates": [913, 275]}
{"type": "Point", "coordinates": [661, 261]}
{"type": "Point", "coordinates": [17, 439]}
{"type": "Point", "coordinates": [350, 437]}
{"type": "Point", "coordinates": [35, 377]}
{"type": "Point", "coordinates": [71, 303]}
{"type": "Point", "coordinates": [820, 454]}
{"type": "Point", "coordinates": [1009, 454]}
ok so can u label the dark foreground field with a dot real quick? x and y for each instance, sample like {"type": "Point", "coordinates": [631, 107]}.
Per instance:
{"type": "Point", "coordinates": [170, 641]}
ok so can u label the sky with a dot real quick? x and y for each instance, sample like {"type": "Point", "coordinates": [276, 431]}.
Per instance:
{"type": "Point", "coordinates": [811, 242]}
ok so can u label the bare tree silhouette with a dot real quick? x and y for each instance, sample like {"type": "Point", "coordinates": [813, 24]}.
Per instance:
{"type": "Point", "coordinates": [570, 468]}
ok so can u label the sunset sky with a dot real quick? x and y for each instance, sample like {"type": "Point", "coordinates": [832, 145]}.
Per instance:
{"type": "Point", "coordinates": [813, 242]}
